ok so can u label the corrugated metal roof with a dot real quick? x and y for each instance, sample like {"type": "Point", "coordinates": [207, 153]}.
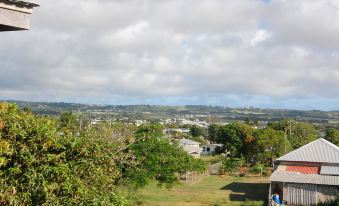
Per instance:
{"type": "Point", "coordinates": [215, 145]}
{"type": "Point", "coordinates": [191, 149]}
{"type": "Point", "coordinates": [188, 142]}
{"type": "Point", "coordinates": [303, 169]}
{"type": "Point", "coordinates": [319, 150]}
{"type": "Point", "coordinates": [329, 170]}
{"type": "Point", "coordinates": [293, 177]}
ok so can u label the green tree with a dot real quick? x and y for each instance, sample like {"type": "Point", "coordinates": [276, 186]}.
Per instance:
{"type": "Point", "coordinates": [251, 120]}
{"type": "Point", "coordinates": [213, 130]}
{"type": "Point", "coordinates": [269, 145]}
{"type": "Point", "coordinates": [230, 165]}
{"type": "Point", "coordinates": [68, 122]}
{"type": "Point", "coordinates": [199, 139]}
{"type": "Point", "coordinates": [41, 167]}
{"type": "Point", "coordinates": [284, 125]}
{"type": "Point", "coordinates": [162, 160]}
{"type": "Point", "coordinates": [197, 131]}
{"type": "Point", "coordinates": [150, 130]}
{"type": "Point", "coordinates": [230, 137]}
{"type": "Point", "coordinates": [298, 133]}
{"type": "Point", "coordinates": [332, 135]}
{"type": "Point", "coordinates": [233, 136]}
{"type": "Point", "coordinates": [302, 133]}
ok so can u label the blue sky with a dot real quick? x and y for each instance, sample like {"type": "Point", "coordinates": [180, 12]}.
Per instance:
{"type": "Point", "coordinates": [277, 54]}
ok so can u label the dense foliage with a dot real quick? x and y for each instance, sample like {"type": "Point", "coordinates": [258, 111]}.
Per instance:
{"type": "Point", "coordinates": [159, 158]}
{"type": "Point", "coordinates": [332, 135]}
{"type": "Point", "coordinates": [162, 160]}
{"type": "Point", "coordinates": [40, 166]}
{"type": "Point", "coordinates": [197, 131]}
{"type": "Point", "coordinates": [43, 161]}
{"type": "Point", "coordinates": [263, 145]}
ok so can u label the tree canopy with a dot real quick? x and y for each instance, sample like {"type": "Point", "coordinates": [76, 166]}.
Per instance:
{"type": "Point", "coordinates": [41, 165]}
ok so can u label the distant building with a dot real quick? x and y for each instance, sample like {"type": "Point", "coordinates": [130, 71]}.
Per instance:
{"type": "Point", "coordinates": [174, 130]}
{"type": "Point", "coordinates": [195, 122]}
{"type": "Point", "coordinates": [209, 149]}
{"type": "Point", "coordinates": [191, 147]}
{"type": "Point", "coordinates": [140, 122]}
{"type": "Point", "coordinates": [189, 142]}
{"type": "Point", "coordinates": [96, 121]}
{"type": "Point", "coordinates": [308, 175]}
{"type": "Point", "coordinates": [15, 14]}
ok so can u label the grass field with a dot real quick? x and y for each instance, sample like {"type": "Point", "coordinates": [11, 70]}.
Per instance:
{"type": "Point", "coordinates": [212, 190]}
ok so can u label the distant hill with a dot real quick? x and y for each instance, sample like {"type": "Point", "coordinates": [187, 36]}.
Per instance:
{"type": "Point", "coordinates": [157, 112]}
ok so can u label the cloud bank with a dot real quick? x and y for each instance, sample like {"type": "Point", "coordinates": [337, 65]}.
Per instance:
{"type": "Point", "coordinates": [219, 52]}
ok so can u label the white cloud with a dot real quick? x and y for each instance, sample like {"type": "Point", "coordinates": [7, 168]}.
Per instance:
{"type": "Point", "coordinates": [260, 36]}
{"type": "Point", "coordinates": [113, 51]}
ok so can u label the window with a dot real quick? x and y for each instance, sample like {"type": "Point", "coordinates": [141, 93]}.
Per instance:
{"type": "Point", "coordinates": [208, 149]}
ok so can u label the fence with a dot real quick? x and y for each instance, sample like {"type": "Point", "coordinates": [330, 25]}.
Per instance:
{"type": "Point", "coordinates": [193, 177]}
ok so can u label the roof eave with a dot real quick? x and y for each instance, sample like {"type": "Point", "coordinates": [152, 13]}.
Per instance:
{"type": "Point", "coordinates": [31, 3]}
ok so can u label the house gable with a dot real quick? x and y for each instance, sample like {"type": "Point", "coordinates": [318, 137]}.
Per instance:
{"type": "Point", "coordinates": [320, 151]}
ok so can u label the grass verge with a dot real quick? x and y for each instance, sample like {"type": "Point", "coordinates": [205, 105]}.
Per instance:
{"type": "Point", "coordinates": [212, 190]}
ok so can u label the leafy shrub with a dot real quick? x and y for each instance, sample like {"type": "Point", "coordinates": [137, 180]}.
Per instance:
{"type": "Point", "coordinates": [162, 160]}
{"type": "Point", "coordinates": [330, 203]}
{"type": "Point", "coordinates": [258, 169]}
{"type": "Point", "coordinates": [230, 165]}
{"type": "Point", "coordinates": [40, 167]}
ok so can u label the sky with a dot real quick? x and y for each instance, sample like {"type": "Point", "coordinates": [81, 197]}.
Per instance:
{"type": "Point", "coordinates": [235, 53]}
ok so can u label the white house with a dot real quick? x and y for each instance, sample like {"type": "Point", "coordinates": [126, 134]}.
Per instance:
{"type": "Point", "coordinates": [187, 142]}
{"type": "Point", "coordinates": [140, 122]}
{"type": "Point", "coordinates": [191, 147]}
{"type": "Point", "coordinates": [209, 149]}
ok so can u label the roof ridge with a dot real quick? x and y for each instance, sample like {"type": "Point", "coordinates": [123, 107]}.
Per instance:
{"type": "Point", "coordinates": [189, 140]}
{"type": "Point", "coordinates": [329, 143]}
{"type": "Point", "coordinates": [307, 153]}
{"type": "Point", "coordinates": [299, 148]}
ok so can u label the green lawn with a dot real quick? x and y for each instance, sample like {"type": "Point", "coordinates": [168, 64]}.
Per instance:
{"type": "Point", "coordinates": [212, 190]}
{"type": "Point", "coordinates": [211, 159]}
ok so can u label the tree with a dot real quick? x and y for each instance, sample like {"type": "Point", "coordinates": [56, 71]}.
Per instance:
{"type": "Point", "coordinates": [269, 145]}
{"type": "Point", "coordinates": [213, 130]}
{"type": "Point", "coordinates": [229, 136]}
{"type": "Point", "coordinates": [150, 130]}
{"type": "Point", "coordinates": [230, 165]}
{"type": "Point", "coordinates": [41, 167]}
{"type": "Point", "coordinates": [233, 136]}
{"type": "Point", "coordinates": [160, 159]}
{"type": "Point", "coordinates": [198, 139]}
{"type": "Point", "coordinates": [68, 122]}
{"type": "Point", "coordinates": [298, 133]}
{"type": "Point", "coordinates": [302, 133]}
{"type": "Point", "coordinates": [197, 131]}
{"type": "Point", "coordinates": [332, 135]}
{"type": "Point", "coordinates": [283, 125]}
{"type": "Point", "coordinates": [251, 120]}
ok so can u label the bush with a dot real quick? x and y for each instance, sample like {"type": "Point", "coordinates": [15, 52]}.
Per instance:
{"type": "Point", "coordinates": [330, 203]}
{"type": "Point", "coordinates": [258, 169]}
{"type": "Point", "coordinates": [230, 165]}
{"type": "Point", "coordinates": [161, 160]}
{"type": "Point", "coordinates": [40, 167]}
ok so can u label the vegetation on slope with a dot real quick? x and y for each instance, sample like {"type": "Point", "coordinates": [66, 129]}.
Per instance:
{"type": "Point", "coordinates": [43, 164]}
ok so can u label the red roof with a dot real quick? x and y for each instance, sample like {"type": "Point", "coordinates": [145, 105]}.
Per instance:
{"type": "Point", "coordinates": [303, 169]}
